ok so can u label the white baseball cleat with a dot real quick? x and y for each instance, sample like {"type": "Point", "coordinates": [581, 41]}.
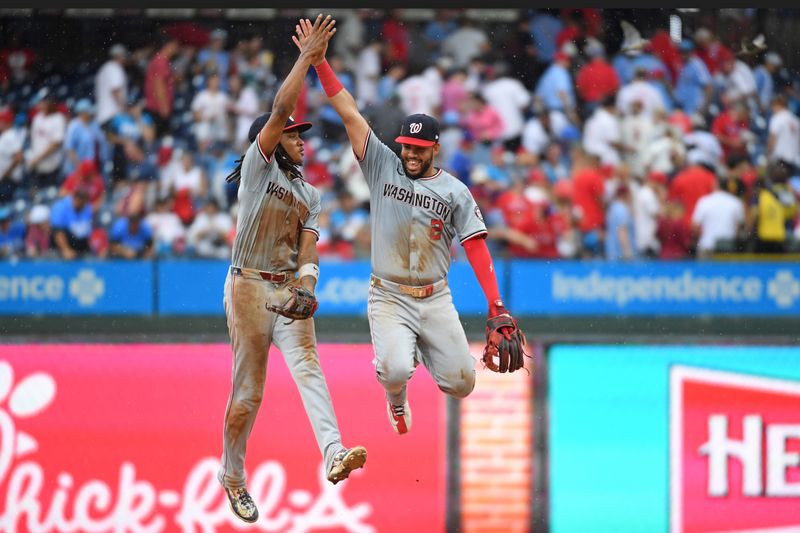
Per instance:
{"type": "Point", "coordinates": [242, 504]}
{"type": "Point", "coordinates": [399, 416]}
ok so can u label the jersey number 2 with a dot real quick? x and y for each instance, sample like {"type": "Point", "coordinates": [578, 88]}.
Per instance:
{"type": "Point", "coordinates": [437, 226]}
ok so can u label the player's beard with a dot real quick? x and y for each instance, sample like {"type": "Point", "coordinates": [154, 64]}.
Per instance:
{"type": "Point", "coordinates": [423, 169]}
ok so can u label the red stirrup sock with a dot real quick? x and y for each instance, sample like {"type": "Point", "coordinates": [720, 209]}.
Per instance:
{"type": "Point", "coordinates": [330, 83]}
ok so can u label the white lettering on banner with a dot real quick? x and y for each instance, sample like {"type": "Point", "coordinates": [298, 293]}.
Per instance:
{"type": "Point", "coordinates": [686, 288]}
{"type": "Point", "coordinates": [720, 448]}
{"type": "Point", "coordinates": [36, 288]}
{"type": "Point", "coordinates": [348, 291]}
{"type": "Point", "coordinates": [138, 506]}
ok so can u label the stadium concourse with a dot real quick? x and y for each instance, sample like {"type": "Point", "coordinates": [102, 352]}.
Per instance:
{"type": "Point", "coordinates": [579, 136]}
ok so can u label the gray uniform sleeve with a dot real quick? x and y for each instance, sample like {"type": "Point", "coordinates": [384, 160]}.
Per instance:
{"type": "Point", "coordinates": [378, 159]}
{"type": "Point", "coordinates": [312, 223]}
{"type": "Point", "coordinates": [467, 217]}
{"type": "Point", "coordinates": [255, 166]}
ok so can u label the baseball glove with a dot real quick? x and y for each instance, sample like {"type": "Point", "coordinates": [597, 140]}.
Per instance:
{"type": "Point", "coordinates": [301, 304]}
{"type": "Point", "coordinates": [504, 341]}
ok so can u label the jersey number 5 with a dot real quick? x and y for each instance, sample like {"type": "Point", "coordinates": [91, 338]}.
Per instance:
{"type": "Point", "coordinates": [437, 227]}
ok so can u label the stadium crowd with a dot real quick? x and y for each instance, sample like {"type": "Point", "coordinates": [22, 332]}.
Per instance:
{"type": "Point", "coordinates": [662, 149]}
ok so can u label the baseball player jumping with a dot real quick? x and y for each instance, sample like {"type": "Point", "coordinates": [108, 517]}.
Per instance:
{"type": "Point", "coordinates": [276, 232]}
{"type": "Point", "coordinates": [416, 211]}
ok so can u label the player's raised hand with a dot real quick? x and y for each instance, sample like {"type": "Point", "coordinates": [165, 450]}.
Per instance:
{"type": "Point", "coordinates": [312, 39]}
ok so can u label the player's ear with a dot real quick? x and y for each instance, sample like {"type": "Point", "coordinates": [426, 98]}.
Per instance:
{"type": "Point", "coordinates": [436, 148]}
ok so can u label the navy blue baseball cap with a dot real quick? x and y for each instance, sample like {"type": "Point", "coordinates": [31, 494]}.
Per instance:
{"type": "Point", "coordinates": [419, 129]}
{"type": "Point", "coordinates": [261, 121]}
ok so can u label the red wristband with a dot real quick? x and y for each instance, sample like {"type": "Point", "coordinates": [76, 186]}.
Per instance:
{"type": "Point", "coordinates": [330, 83]}
{"type": "Point", "coordinates": [481, 262]}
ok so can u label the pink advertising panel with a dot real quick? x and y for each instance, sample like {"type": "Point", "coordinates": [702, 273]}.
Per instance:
{"type": "Point", "coordinates": [127, 438]}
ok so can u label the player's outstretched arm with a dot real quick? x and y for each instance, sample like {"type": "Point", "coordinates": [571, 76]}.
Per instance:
{"type": "Point", "coordinates": [318, 35]}
{"type": "Point", "coordinates": [341, 100]}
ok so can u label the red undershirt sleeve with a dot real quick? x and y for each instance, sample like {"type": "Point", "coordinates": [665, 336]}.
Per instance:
{"type": "Point", "coordinates": [481, 262]}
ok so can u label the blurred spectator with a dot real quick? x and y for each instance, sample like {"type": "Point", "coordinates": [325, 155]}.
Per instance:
{"type": "Point", "coordinates": [347, 218]}
{"type": "Point", "coordinates": [555, 88]}
{"type": "Point", "coordinates": [732, 128]}
{"type": "Point", "coordinates": [467, 42]}
{"type": "Point", "coordinates": [450, 137]}
{"type": "Point", "coordinates": [702, 146]}
{"type": "Point", "coordinates": [387, 86]}
{"type": "Point", "coordinates": [88, 177]}
{"type": "Point", "coordinates": [16, 59]}
{"type": "Point", "coordinates": [717, 217]}
{"type": "Point", "coordinates": [597, 79]}
{"type": "Point", "coordinates": [84, 140]}
{"type": "Point", "coordinates": [132, 135]}
{"type": "Point", "coordinates": [332, 125]}
{"type": "Point", "coordinates": [368, 74]}
{"type": "Point", "coordinates": [11, 144]}
{"type": "Point", "coordinates": [588, 189]}
{"type": "Point", "coordinates": [647, 196]}
{"type": "Point", "coordinates": [454, 91]}
{"type": "Point", "coordinates": [384, 118]}
{"type": "Point", "coordinates": [169, 234]}
{"type": "Point", "coordinates": [482, 121]}
{"type": "Point", "coordinates": [602, 134]}
{"type": "Point", "coordinates": [545, 27]}
{"type": "Point", "coordinates": [710, 49]}
{"type": "Point", "coordinates": [674, 233]}
{"type": "Point", "coordinates": [417, 95]}
{"type": "Point", "coordinates": [620, 243]}
{"type": "Point", "coordinates": [45, 156]}
{"type": "Point", "coordinates": [555, 166]}
{"type": "Point", "coordinates": [527, 232]}
{"type": "Point", "coordinates": [215, 58]}
{"type": "Point", "coordinates": [736, 80]}
{"type": "Point", "coordinates": [210, 108]}
{"type": "Point", "coordinates": [694, 88]}
{"type": "Point", "coordinates": [254, 66]}
{"type": "Point", "coordinates": [664, 153]}
{"type": "Point", "coordinates": [71, 220]}
{"type": "Point", "coordinates": [396, 36]}
{"type": "Point", "coordinates": [245, 107]}
{"type": "Point", "coordinates": [564, 220]}
{"type": "Point", "coordinates": [111, 85]}
{"type": "Point", "coordinates": [12, 234]}
{"type": "Point", "coordinates": [437, 30]}
{"type": "Point", "coordinates": [131, 237]}
{"type": "Point", "coordinates": [691, 184]}
{"type": "Point", "coordinates": [159, 85]}
{"type": "Point", "coordinates": [637, 133]}
{"type": "Point", "coordinates": [542, 128]}
{"type": "Point", "coordinates": [208, 235]}
{"type": "Point", "coordinates": [783, 143]}
{"type": "Point", "coordinates": [764, 75]}
{"type": "Point", "coordinates": [435, 74]}
{"type": "Point", "coordinates": [37, 236]}
{"type": "Point", "coordinates": [510, 98]}
{"type": "Point", "coordinates": [772, 209]}
{"type": "Point", "coordinates": [187, 182]}
{"type": "Point", "coordinates": [640, 90]}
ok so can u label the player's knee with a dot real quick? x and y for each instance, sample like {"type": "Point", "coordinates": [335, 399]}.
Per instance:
{"type": "Point", "coordinates": [394, 376]}
{"type": "Point", "coordinates": [460, 387]}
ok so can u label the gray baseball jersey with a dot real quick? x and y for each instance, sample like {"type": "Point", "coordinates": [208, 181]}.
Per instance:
{"type": "Point", "coordinates": [413, 222]}
{"type": "Point", "coordinates": [272, 212]}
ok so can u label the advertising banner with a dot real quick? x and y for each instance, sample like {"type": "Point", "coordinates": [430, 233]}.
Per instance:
{"type": "Point", "coordinates": [76, 288]}
{"type": "Point", "coordinates": [679, 439]}
{"type": "Point", "coordinates": [655, 288]}
{"type": "Point", "coordinates": [195, 288]}
{"type": "Point", "coordinates": [127, 438]}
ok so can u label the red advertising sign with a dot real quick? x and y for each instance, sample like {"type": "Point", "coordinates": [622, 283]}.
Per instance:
{"type": "Point", "coordinates": [734, 452]}
{"type": "Point", "coordinates": [127, 438]}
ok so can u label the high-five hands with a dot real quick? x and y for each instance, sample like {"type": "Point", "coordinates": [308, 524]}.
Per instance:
{"type": "Point", "coordinates": [312, 39]}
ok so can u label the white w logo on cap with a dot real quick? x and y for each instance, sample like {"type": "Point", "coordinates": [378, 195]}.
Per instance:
{"type": "Point", "coordinates": [415, 127]}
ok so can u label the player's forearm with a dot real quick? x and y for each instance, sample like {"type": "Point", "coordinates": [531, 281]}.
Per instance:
{"type": "Point", "coordinates": [286, 97]}
{"type": "Point", "coordinates": [481, 262]}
